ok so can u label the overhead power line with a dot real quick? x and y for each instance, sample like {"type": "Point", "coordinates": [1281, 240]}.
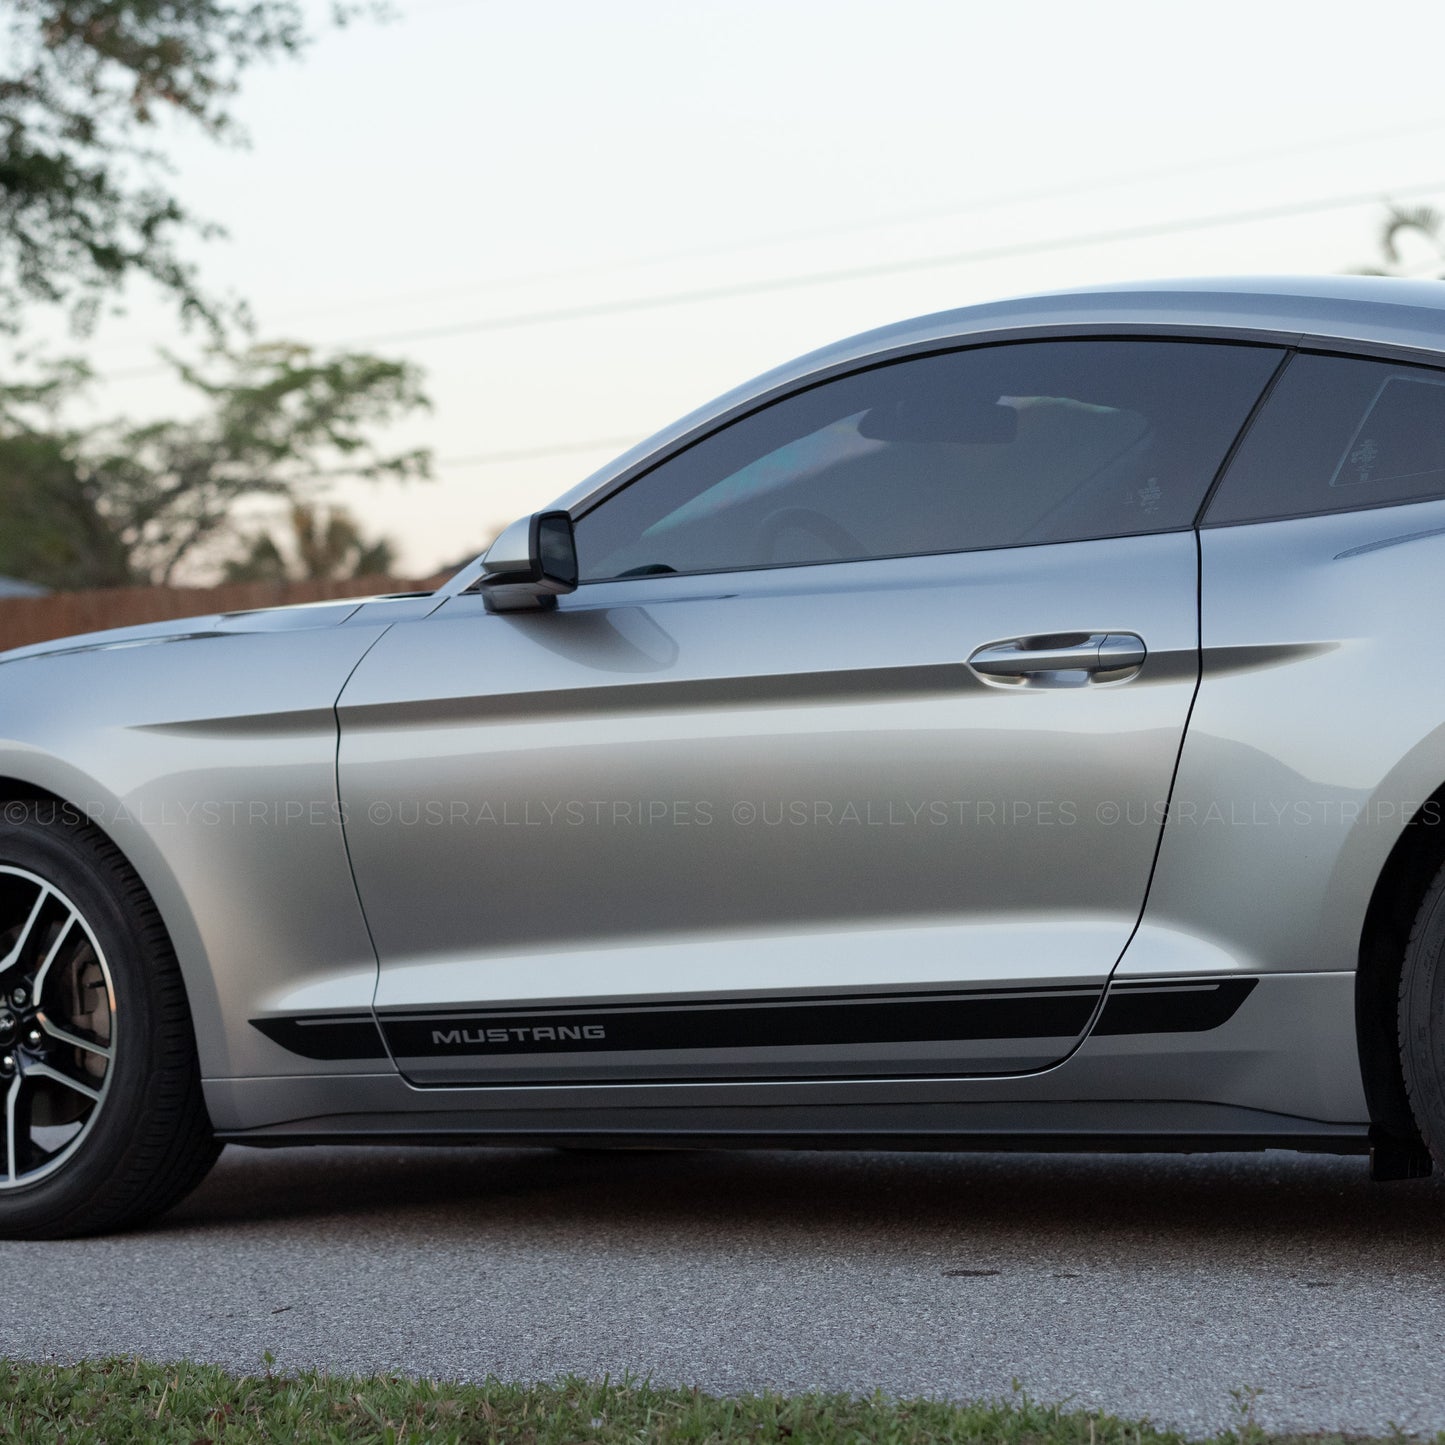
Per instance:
{"type": "Point", "coordinates": [527, 454]}
{"type": "Point", "coordinates": [524, 320]}
{"type": "Point", "coordinates": [953, 211]}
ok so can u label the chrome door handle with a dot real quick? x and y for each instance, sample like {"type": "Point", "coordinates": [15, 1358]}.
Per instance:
{"type": "Point", "coordinates": [1027, 658]}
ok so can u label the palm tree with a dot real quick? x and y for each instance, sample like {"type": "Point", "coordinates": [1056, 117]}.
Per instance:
{"type": "Point", "coordinates": [325, 544]}
{"type": "Point", "coordinates": [1424, 223]}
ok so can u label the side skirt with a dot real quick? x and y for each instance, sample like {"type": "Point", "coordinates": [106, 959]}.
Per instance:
{"type": "Point", "coordinates": [1066, 1127]}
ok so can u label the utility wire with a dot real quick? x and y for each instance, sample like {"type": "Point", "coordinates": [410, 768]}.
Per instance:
{"type": "Point", "coordinates": [901, 218]}
{"type": "Point", "coordinates": [525, 454]}
{"type": "Point", "coordinates": [525, 320]}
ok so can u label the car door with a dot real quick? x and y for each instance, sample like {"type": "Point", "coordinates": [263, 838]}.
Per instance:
{"type": "Point", "coordinates": [848, 757]}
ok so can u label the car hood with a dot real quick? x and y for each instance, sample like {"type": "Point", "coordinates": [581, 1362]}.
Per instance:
{"type": "Point", "coordinates": [304, 617]}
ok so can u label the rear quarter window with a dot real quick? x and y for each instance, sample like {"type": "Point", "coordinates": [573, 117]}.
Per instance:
{"type": "Point", "coordinates": [1338, 434]}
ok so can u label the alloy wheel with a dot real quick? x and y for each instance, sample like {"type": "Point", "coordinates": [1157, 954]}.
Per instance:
{"type": "Point", "coordinates": [57, 1027]}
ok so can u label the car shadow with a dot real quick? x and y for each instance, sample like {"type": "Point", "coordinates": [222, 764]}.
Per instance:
{"type": "Point", "coordinates": [1022, 1205]}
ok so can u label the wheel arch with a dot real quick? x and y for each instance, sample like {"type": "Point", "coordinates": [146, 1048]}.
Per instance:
{"type": "Point", "coordinates": [1413, 862]}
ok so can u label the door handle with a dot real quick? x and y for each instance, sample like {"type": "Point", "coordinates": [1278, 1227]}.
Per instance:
{"type": "Point", "coordinates": [1034, 659]}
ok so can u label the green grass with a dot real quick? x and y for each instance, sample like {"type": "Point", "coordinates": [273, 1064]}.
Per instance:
{"type": "Point", "coordinates": [118, 1401]}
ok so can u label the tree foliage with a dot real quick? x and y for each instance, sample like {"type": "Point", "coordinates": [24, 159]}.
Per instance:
{"type": "Point", "coordinates": [84, 198]}
{"type": "Point", "coordinates": [120, 503]}
{"type": "Point", "coordinates": [85, 206]}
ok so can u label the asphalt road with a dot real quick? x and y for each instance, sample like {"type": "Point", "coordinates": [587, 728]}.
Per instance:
{"type": "Point", "coordinates": [1143, 1285]}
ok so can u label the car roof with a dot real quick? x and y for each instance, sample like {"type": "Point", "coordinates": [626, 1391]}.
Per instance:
{"type": "Point", "coordinates": [1363, 310]}
{"type": "Point", "coordinates": [1383, 309]}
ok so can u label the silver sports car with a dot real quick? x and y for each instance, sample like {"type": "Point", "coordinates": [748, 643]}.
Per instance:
{"type": "Point", "coordinates": [1019, 728]}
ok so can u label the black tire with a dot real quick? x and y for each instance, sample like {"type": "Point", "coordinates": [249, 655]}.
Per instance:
{"type": "Point", "coordinates": [1422, 1019]}
{"type": "Point", "coordinates": [147, 1140]}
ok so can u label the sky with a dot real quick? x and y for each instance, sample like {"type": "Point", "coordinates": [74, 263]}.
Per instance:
{"type": "Point", "coordinates": [438, 186]}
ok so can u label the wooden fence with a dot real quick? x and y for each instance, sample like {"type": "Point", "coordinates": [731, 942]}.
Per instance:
{"type": "Point", "coordinates": [38, 619]}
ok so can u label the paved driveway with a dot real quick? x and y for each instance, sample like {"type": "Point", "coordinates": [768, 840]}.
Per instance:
{"type": "Point", "coordinates": [1145, 1285]}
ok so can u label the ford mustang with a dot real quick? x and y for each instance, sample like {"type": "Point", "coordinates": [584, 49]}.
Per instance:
{"type": "Point", "coordinates": [1017, 728]}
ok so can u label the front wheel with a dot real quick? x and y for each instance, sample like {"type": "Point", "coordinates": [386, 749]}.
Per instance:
{"type": "Point", "coordinates": [103, 1119]}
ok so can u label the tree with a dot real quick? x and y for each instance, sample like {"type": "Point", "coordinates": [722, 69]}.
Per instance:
{"type": "Point", "coordinates": [116, 504]}
{"type": "Point", "coordinates": [84, 203]}
{"type": "Point", "coordinates": [325, 544]}
{"type": "Point", "coordinates": [85, 207]}
{"type": "Point", "coordinates": [1420, 223]}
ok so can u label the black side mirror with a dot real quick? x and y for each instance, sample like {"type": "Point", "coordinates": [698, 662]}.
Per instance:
{"type": "Point", "coordinates": [532, 563]}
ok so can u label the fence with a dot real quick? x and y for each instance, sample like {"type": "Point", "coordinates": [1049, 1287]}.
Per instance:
{"type": "Point", "coordinates": [24, 620]}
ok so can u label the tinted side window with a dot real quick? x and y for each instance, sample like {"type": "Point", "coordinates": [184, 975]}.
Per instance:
{"type": "Point", "coordinates": [1047, 441]}
{"type": "Point", "coordinates": [1337, 434]}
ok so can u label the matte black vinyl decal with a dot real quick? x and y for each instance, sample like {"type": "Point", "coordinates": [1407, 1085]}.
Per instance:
{"type": "Point", "coordinates": [908, 1019]}
{"type": "Point", "coordinates": [344, 1036]}
{"type": "Point", "coordinates": [1148, 1007]}
{"type": "Point", "coordinates": [1186, 1007]}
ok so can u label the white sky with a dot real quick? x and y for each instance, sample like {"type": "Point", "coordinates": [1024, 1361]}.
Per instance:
{"type": "Point", "coordinates": [477, 159]}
